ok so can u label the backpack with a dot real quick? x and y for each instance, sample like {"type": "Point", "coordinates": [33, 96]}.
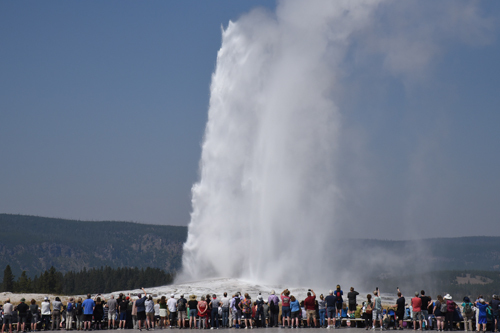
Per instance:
{"type": "Point", "coordinates": [236, 302]}
{"type": "Point", "coordinates": [69, 308]}
{"type": "Point", "coordinates": [468, 311]}
{"type": "Point", "coordinates": [339, 296]}
{"type": "Point", "coordinates": [444, 307]}
{"type": "Point", "coordinates": [181, 304]}
{"type": "Point", "coordinates": [79, 309]}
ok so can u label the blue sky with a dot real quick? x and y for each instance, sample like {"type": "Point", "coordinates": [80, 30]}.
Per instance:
{"type": "Point", "coordinates": [103, 106]}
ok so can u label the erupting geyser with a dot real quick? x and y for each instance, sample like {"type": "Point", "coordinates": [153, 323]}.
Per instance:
{"type": "Point", "coordinates": [264, 206]}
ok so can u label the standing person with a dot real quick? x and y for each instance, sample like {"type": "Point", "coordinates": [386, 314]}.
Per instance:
{"type": "Point", "coordinates": [79, 314]}
{"type": "Point", "coordinates": [70, 311]}
{"type": "Point", "coordinates": [426, 300]}
{"type": "Point", "coordinates": [468, 313]}
{"type": "Point", "coordinates": [98, 312]}
{"type": "Point", "coordinates": [400, 309]}
{"type": "Point", "coordinates": [150, 312]}
{"type": "Point", "coordinates": [377, 310]}
{"type": "Point", "coordinates": [273, 302]}
{"type": "Point", "coordinates": [214, 311]}
{"type": "Point", "coordinates": [202, 308]}
{"type": "Point", "coordinates": [112, 305]}
{"type": "Point", "coordinates": [285, 308]}
{"type": "Point", "coordinates": [260, 317]}
{"type": "Point", "coordinates": [438, 307]}
{"type": "Point", "coordinates": [416, 304]}
{"type": "Point", "coordinates": [34, 314]}
{"type": "Point", "coordinates": [322, 310]}
{"type": "Point", "coordinates": [338, 294]}
{"type": "Point", "coordinates": [56, 313]}
{"type": "Point", "coordinates": [172, 308]}
{"type": "Point", "coordinates": [351, 296]}
{"type": "Point", "coordinates": [46, 313]}
{"type": "Point", "coordinates": [140, 306]}
{"type": "Point", "coordinates": [225, 310]}
{"type": "Point", "coordinates": [122, 309]}
{"type": "Point", "coordinates": [7, 315]}
{"type": "Point", "coordinates": [450, 312]}
{"type": "Point", "coordinates": [295, 311]}
{"type": "Point", "coordinates": [88, 311]}
{"type": "Point", "coordinates": [310, 306]}
{"type": "Point", "coordinates": [368, 312]}
{"type": "Point", "coordinates": [181, 310]}
{"type": "Point", "coordinates": [193, 311]}
{"type": "Point", "coordinates": [495, 313]}
{"type": "Point", "coordinates": [265, 308]}
{"type": "Point", "coordinates": [246, 308]}
{"type": "Point", "coordinates": [236, 310]}
{"type": "Point", "coordinates": [22, 309]}
{"type": "Point", "coordinates": [331, 309]}
{"type": "Point", "coordinates": [482, 318]}
{"type": "Point", "coordinates": [163, 312]}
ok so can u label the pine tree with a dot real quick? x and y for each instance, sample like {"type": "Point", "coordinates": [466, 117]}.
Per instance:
{"type": "Point", "coordinates": [8, 279]}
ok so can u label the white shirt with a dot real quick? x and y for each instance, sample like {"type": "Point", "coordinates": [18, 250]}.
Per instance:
{"type": "Point", "coordinates": [172, 305]}
{"type": "Point", "coordinates": [45, 308]}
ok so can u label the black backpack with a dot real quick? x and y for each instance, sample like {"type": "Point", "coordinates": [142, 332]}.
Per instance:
{"type": "Point", "coordinates": [236, 302]}
{"type": "Point", "coordinates": [79, 309]}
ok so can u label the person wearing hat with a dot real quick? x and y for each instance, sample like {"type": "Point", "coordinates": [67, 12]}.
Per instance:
{"type": "Point", "coordinates": [468, 313]}
{"type": "Point", "coordinates": [495, 307]}
{"type": "Point", "coordinates": [193, 311]}
{"type": "Point", "coordinates": [450, 312]}
{"type": "Point", "coordinates": [482, 318]}
{"type": "Point", "coordinates": [172, 307]}
{"type": "Point", "coordinates": [23, 309]}
{"type": "Point", "coordinates": [45, 305]}
{"type": "Point", "coordinates": [7, 315]}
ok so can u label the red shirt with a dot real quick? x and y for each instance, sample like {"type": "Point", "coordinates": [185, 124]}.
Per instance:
{"type": "Point", "coordinates": [416, 303]}
{"type": "Point", "coordinates": [309, 303]}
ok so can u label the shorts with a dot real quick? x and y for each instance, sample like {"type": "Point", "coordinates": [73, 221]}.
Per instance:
{"type": "Point", "coordinates": [330, 312]}
{"type": "Point", "coordinates": [400, 315]}
{"type": "Point", "coordinates": [425, 314]}
{"type": "Point", "coordinates": [285, 311]}
{"type": "Point", "coordinates": [193, 313]}
{"type": "Point", "coordinates": [182, 315]}
{"type": "Point", "coordinates": [163, 312]}
{"type": "Point", "coordinates": [7, 319]}
{"type": "Point", "coordinates": [311, 314]}
{"type": "Point", "coordinates": [123, 315]}
{"type": "Point", "coordinates": [141, 315]}
{"type": "Point", "coordinates": [173, 316]}
{"type": "Point", "coordinates": [111, 315]}
{"type": "Point", "coordinates": [248, 315]}
{"type": "Point", "coordinates": [34, 318]}
{"type": "Point", "coordinates": [23, 319]}
{"type": "Point", "coordinates": [482, 320]}
{"type": "Point", "coordinates": [417, 315]}
{"type": "Point", "coordinates": [150, 316]}
{"type": "Point", "coordinates": [295, 314]}
{"type": "Point", "coordinates": [339, 306]}
{"type": "Point", "coordinates": [377, 314]}
{"type": "Point", "coordinates": [87, 317]}
{"type": "Point", "coordinates": [352, 307]}
{"type": "Point", "coordinates": [238, 314]}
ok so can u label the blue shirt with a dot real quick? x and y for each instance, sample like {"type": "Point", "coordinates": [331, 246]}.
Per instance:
{"type": "Point", "coordinates": [139, 304]}
{"type": "Point", "coordinates": [330, 301]}
{"type": "Point", "coordinates": [88, 306]}
{"type": "Point", "coordinates": [294, 306]}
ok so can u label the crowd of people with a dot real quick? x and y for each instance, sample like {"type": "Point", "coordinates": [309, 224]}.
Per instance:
{"type": "Point", "coordinates": [240, 311]}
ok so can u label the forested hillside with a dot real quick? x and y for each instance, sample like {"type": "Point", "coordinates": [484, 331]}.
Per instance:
{"type": "Point", "coordinates": [34, 244]}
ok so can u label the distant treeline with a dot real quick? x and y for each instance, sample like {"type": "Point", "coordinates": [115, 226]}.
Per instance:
{"type": "Point", "coordinates": [94, 280]}
{"type": "Point", "coordinates": [456, 283]}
